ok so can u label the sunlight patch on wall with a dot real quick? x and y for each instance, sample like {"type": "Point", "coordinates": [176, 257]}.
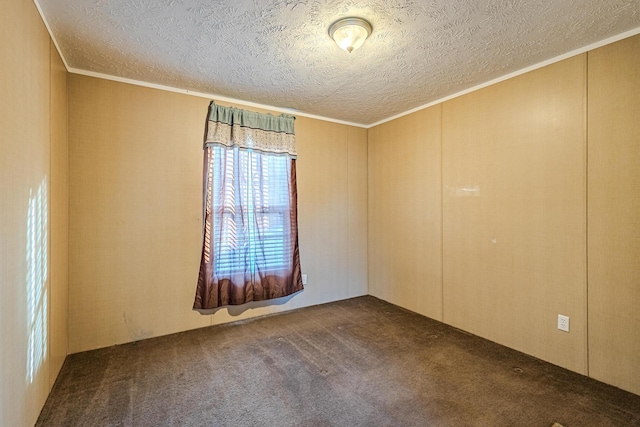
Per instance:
{"type": "Point", "coordinates": [37, 270]}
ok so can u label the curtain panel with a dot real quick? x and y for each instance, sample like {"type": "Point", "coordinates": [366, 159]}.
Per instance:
{"type": "Point", "coordinates": [250, 246]}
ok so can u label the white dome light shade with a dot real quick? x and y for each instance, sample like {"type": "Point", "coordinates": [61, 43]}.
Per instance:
{"type": "Point", "coordinates": [350, 33]}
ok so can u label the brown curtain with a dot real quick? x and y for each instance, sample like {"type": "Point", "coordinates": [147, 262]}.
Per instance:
{"type": "Point", "coordinates": [250, 236]}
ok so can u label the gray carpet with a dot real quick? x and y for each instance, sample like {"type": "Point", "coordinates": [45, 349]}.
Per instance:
{"type": "Point", "coordinates": [359, 362]}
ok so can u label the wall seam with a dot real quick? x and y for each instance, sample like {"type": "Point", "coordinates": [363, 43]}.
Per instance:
{"type": "Point", "coordinates": [366, 250]}
{"type": "Point", "coordinates": [50, 232]}
{"type": "Point", "coordinates": [586, 213]}
{"type": "Point", "coordinates": [442, 211]}
{"type": "Point", "coordinates": [68, 185]}
{"type": "Point", "coordinates": [349, 230]}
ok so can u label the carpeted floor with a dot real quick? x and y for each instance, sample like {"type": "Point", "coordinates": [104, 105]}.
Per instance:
{"type": "Point", "coordinates": [359, 362]}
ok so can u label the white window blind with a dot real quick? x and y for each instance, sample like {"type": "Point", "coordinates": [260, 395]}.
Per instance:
{"type": "Point", "coordinates": [250, 204]}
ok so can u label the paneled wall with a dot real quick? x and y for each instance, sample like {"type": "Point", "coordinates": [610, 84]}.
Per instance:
{"type": "Point", "coordinates": [136, 213]}
{"type": "Point", "coordinates": [614, 214]}
{"type": "Point", "coordinates": [405, 234]}
{"type": "Point", "coordinates": [58, 325]}
{"type": "Point", "coordinates": [133, 155]}
{"type": "Point", "coordinates": [521, 241]}
{"type": "Point", "coordinates": [332, 209]}
{"type": "Point", "coordinates": [514, 196]}
{"type": "Point", "coordinates": [33, 124]}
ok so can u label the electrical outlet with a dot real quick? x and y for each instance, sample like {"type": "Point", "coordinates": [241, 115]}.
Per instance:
{"type": "Point", "coordinates": [563, 323]}
{"type": "Point", "coordinates": [304, 279]}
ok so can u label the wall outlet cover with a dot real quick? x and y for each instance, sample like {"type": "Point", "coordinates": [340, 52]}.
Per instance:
{"type": "Point", "coordinates": [563, 323]}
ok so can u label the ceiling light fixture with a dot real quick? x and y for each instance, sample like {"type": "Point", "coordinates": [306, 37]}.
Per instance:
{"type": "Point", "coordinates": [350, 33]}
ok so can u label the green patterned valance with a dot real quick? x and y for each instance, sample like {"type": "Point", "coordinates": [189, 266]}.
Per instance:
{"type": "Point", "coordinates": [233, 127]}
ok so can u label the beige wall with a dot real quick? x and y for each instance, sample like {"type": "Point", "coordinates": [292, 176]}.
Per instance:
{"type": "Point", "coordinates": [135, 159]}
{"type": "Point", "coordinates": [614, 214]}
{"type": "Point", "coordinates": [405, 235]}
{"type": "Point", "coordinates": [514, 197]}
{"type": "Point", "coordinates": [58, 325]}
{"type": "Point", "coordinates": [332, 208]}
{"type": "Point", "coordinates": [32, 180]}
{"type": "Point", "coordinates": [514, 213]}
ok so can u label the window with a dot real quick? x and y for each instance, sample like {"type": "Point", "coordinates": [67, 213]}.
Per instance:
{"type": "Point", "coordinates": [253, 213]}
{"type": "Point", "coordinates": [250, 234]}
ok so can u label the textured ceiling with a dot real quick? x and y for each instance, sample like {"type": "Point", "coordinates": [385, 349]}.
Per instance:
{"type": "Point", "coordinates": [278, 52]}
